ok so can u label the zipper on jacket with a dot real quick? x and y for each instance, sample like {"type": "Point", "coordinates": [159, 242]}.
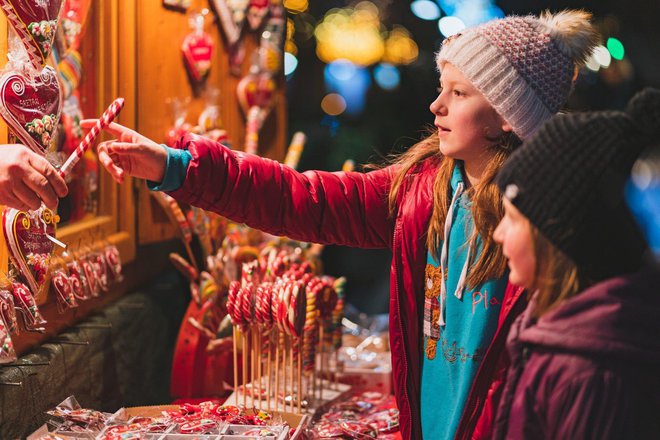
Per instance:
{"type": "Point", "coordinates": [403, 334]}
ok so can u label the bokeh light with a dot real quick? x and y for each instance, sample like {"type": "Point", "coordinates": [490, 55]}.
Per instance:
{"type": "Point", "coordinates": [615, 47]}
{"type": "Point", "coordinates": [387, 76]}
{"type": "Point", "coordinates": [333, 104]}
{"type": "Point", "coordinates": [351, 33]}
{"type": "Point", "coordinates": [349, 80]}
{"type": "Point", "coordinates": [602, 55]}
{"type": "Point", "coordinates": [290, 63]}
{"type": "Point", "coordinates": [400, 48]}
{"type": "Point", "coordinates": [450, 25]}
{"type": "Point", "coordinates": [425, 9]}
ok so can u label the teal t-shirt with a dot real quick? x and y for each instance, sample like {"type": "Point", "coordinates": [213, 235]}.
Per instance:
{"type": "Point", "coordinates": [453, 354]}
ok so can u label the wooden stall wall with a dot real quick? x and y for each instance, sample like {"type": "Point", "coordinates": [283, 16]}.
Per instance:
{"type": "Point", "coordinates": [161, 75]}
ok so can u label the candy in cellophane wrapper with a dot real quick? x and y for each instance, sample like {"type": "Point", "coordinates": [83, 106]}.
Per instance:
{"type": "Point", "coordinates": [363, 416]}
{"type": "Point", "coordinates": [70, 416]}
{"type": "Point", "coordinates": [7, 353]}
{"type": "Point", "coordinates": [30, 100]}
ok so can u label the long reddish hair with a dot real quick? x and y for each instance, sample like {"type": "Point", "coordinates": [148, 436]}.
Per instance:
{"type": "Point", "coordinates": [487, 210]}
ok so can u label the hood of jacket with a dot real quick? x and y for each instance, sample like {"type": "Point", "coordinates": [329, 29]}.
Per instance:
{"type": "Point", "coordinates": [617, 318]}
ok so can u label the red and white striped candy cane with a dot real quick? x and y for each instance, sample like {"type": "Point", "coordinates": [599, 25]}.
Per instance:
{"type": "Point", "coordinates": [108, 115]}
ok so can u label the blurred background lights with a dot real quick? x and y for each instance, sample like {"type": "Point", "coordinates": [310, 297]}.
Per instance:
{"type": "Point", "coordinates": [471, 12]}
{"type": "Point", "coordinates": [602, 56]}
{"type": "Point", "coordinates": [400, 48]}
{"type": "Point", "coordinates": [425, 9]}
{"type": "Point", "coordinates": [592, 64]}
{"type": "Point", "coordinates": [351, 33]}
{"type": "Point", "coordinates": [290, 63]}
{"type": "Point", "coordinates": [615, 47]}
{"type": "Point", "coordinates": [349, 80]}
{"type": "Point", "coordinates": [333, 104]}
{"type": "Point", "coordinates": [450, 25]}
{"type": "Point", "coordinates": [296, 6]}
{"type": "Point", "coordinates": [341, 70]}
{"type": "Point", "coordinates": [387, 76]}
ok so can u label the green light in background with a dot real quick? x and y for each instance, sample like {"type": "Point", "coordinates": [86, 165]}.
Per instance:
{"type": "Point", "coordinates": [615, 47]}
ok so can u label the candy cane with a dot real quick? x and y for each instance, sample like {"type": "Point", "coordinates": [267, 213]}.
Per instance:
{"type": "Point", "coordinates": [108, 115]}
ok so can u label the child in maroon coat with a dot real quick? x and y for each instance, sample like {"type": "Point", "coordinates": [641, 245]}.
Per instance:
{"type": "Point", "coordinates": [585, 355]}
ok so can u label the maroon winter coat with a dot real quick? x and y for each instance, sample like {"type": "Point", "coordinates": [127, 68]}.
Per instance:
{"type": "Point", "coordinates": [589, 369]}
{"type": "Point", "coordinates": [350, 209]}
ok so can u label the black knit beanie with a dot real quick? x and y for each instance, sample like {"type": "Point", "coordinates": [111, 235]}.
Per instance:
{"type": "Point", "coordinates": [568, 180]}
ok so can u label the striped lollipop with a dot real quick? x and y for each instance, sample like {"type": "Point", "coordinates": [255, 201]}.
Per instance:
{"type": "Point", "coordinates": [108, 115]}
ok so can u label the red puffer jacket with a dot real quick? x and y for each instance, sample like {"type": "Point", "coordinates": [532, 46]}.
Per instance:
{"type": "Point", "coordinates": [350, 209]}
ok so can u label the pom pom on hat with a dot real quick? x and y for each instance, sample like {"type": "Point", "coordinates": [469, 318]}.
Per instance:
{"type": "Point", "coordinates": [572, 32]}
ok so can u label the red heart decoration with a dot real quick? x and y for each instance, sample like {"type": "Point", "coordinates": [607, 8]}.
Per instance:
{"type": "Point", "coordinates": [35, 22]}
{"type": "Point", "coordinates": [74, 16]}
{"type": "Point", "coordinates": [7, 353]}
{"type": "Point", "coordinates": [232, 17]}
{"type": "Point", "coordinates": [26, 304]}
{"type": "Point", "coordinates": [8, 311]}
{"type": "Point", "coordinates": [79, 283]}
{"type": "Point", "coordinates": [29, 248]}
{"type": "Point", "coordinates": [64, 290]}
{"type": "Point", "coordinates": [101, 270]}
{"type": "Point", "coordinates": [113, 258]}
{"type": "Point", "coordinates": [32, 107]}
{"type": "Point", "coordinates": [197, 51]}
{"type": "Point", "coordinates": [257, 12]}
{"type": "Point", "coordinates": [90, 274]}
{"type": "Point", "coordinates": [256, 90]}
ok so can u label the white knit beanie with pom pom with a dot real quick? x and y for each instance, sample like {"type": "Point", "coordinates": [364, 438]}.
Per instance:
{"type": "Point", "coordinates": [524, 66]}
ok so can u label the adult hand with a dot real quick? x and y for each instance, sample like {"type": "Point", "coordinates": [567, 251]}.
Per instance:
{"type": "Point", "coordinates": [131, 153]}
{"type": "Point", "coordinates": [27, 179]}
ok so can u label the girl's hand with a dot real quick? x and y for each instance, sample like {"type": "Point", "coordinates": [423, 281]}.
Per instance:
{"type": "Point", "coordinates": [130, 153]}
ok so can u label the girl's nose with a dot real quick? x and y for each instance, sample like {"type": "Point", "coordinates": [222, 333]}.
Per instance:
{"type": "Point", "coordinates": [437, 107]}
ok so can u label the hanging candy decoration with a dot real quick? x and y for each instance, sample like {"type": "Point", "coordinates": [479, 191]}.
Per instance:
{"type": "Point", "coordinates": [79, 282]}
{"type": "Point", "coordinates": [256, 96]}
{"type": "Point", "coordinates": [8, 310]}
{"type": "Point", "coordinates": [197, 49]}
{"type": "Point", "coordinates": [29, 237]}
{"type": "Point", "coordinates": [35, 22]}
{"type": "Point", "coordinates": [26, 304]}
{"type": "Point", "coordinates": [70, 71]}
{"type": "Point", "coordinates": [31, 106]}
{"type": "Point", "coordinates": [257, 11]}
{"type": "Point", "coordinates": [7, 353]}
{"type": "Point", "coordinates": [74, 15]}
{"type": "Point", "coordinates": [62, 285]}
{"type": "Point", "coordinates": [64, 290]}
{"type": "Point", "coordinates": [232, 15]}
{"type": "Point", "coordinates": [271, 51]}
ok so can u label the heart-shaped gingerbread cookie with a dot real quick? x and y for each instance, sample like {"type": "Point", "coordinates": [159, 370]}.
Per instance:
{"type": "Point", "coordinates": [32, 107]}
{"type": "Point", "coordinates": [30, 249]}
{"type": "Point", "coordinates": [35, 22]}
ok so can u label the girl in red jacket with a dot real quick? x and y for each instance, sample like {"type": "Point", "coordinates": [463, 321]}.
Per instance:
{"type": "Point", "coordinates": [436, 208]}
{"type": "Point", "coordinates": [585, 354]}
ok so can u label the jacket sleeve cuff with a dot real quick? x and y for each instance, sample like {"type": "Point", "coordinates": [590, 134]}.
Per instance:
{"type": "Point", "coordinates": [175, 170]}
